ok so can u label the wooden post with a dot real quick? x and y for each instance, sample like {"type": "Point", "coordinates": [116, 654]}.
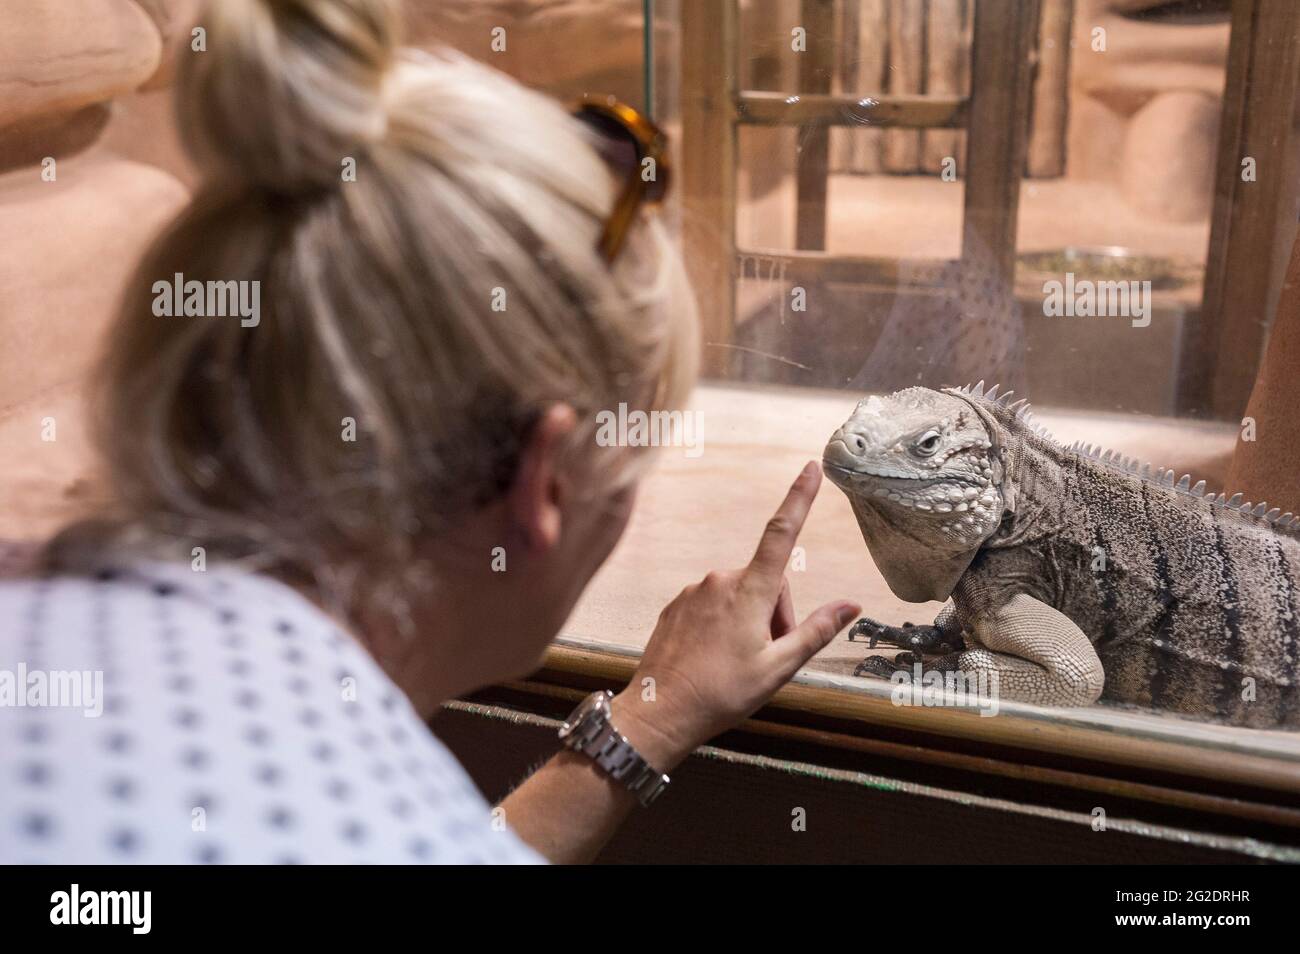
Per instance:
{"type": "Point", "coordinates": [1253, 222]}
{"type": "Point", "coordinates": [865, 47]}
{"type": "Point", "coordinates": [997, 131]}
{"type": "Point", "coordinates": [816, 68]}
{"type": "Point", "coordinates": [1051, 91]}
{"type": "Point", "coordinates": [946, 72]}
{"type": "Point", "coordinates": [846, 80]}
{"type": "Point", "coordinates": [708, 170]}
{"type": "Point", "coordinates": [906, 75]}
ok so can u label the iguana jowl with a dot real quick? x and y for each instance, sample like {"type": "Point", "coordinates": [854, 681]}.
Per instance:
{"type": "Point", "coordinates": [1076, 575]}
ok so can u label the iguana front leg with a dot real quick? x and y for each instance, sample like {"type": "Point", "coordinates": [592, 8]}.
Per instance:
{"type": "Point", "coordinates": [1038, 654]}
{"type": "Point", "coordinates": [943, 638]}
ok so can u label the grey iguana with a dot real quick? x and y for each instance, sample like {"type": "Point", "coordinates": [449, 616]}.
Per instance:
{"type": "Point", "coordinates": [1075, 575]}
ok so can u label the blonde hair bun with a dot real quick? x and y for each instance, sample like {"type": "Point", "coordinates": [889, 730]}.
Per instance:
{"type": "Point", "coordinates": [287, 89]}
{"type": "Point", "coordinates": [380, 394]}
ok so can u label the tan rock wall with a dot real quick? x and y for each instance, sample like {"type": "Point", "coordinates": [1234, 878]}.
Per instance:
{"type": "Point", "coordinates": [59, 55]}
{"type": "Point", "coordinates": [174, 19]}
{"type": "Point", "coordinates": [565, 47]}
{"type": "Point", "coordinates": [1144, 104]}
{"type": "Point", "coordinates": [75, 216]}
{"type": "Point", "coordinates": [67, 249]}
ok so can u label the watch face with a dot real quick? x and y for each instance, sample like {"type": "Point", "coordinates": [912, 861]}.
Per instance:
{"type": "Point", "coordinates": [593, 703]}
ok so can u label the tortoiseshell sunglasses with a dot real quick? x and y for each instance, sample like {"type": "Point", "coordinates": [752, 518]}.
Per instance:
{"type": "Point", "coordinates": [626, 139]}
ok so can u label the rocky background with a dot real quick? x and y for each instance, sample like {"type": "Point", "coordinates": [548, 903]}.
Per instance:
{"type": "Point", "coordinates": [75, 214]}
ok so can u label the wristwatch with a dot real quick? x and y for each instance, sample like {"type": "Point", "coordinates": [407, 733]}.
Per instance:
{"type": "Point", "coordinates": [589, 730]}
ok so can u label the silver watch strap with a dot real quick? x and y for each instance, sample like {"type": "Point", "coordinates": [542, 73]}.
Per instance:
{"type": "Point", "coordinates": [603, 744]}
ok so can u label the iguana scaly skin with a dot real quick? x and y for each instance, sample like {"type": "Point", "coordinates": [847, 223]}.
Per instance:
{"type": "Point", "coordinates": [1075, 575]}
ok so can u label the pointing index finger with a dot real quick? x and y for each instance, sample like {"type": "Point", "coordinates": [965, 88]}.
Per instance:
{"type": "Point", "coordinates": [782, 530]}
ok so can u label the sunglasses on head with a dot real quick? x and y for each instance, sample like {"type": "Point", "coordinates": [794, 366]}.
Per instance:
{"type": "Point", "coordinates": [637, 150]}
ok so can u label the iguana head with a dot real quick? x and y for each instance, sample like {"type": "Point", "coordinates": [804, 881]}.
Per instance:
{"type": "Point", "coordinates": [922, 472]}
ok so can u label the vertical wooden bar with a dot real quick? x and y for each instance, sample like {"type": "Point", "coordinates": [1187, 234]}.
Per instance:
{"type": "Point", "coordinates": [1051, 91]}
{"type": "Point", "coordinates": [906, 75]}
{"type": "Point", "coordinates": [708, 170]}
{"type": "Point", "coordinates": [947, 67]}
{"type": "Point", "coordinates": [997, 132]}
{"type": "Point", "coordinates": [847, 20]}
{"type": "Point", "coordinates": [816, 68]}
{"type": "Point", "coordinates": [867, 145]}
{"type": "Point", "coordinates": [1253, 222]}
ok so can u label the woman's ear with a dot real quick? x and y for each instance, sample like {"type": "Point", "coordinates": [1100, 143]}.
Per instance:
{"type": "Point", "coordinates": [535, 499]}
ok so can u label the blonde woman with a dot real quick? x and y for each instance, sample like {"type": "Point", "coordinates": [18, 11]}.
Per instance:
{"type": "Point", "coordinates": [342, 468]}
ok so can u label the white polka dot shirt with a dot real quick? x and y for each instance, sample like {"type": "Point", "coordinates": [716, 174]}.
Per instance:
{"type": "Point", "coordinates": [151, 714]}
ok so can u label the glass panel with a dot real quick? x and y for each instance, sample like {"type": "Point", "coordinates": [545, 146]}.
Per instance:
{"type": "Point", "coordinates": [860, 215]}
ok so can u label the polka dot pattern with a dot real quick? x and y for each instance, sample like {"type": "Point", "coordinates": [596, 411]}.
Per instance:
{"type": "Point", "coordinates": [222, 719]}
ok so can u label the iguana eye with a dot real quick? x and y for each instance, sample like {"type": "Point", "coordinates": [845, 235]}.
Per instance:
{"type": "Point", "coordinates": [928, 443]}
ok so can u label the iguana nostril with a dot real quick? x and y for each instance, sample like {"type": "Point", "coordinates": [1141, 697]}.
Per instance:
{"type": "Point", "coordinates": [855, 444]}
{"type": "Point", "coordinates": [841, 451]}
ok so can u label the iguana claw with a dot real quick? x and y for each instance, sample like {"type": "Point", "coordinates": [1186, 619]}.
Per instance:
{"type": "Point", "coordinates": [869, 628]}
{"type": "Point", "coordinates": [930, 640]}
{"type": "Point", "coordinates": [876, 666]}
{"type": "Point", "coordinates": [885, 668]}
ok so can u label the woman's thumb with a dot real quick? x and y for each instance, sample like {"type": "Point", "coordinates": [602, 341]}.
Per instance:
{"type": "Point", "coordinates": [804, 641]}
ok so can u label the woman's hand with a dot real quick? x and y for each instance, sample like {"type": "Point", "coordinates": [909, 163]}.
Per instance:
{"type": "Point", "coordinates": [726, 644]}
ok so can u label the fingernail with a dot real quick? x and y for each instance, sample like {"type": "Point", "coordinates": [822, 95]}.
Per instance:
{"type": "Point", "coordinates": [846, 612]}
{"type": "Point", "coordinates": [809, 469]}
